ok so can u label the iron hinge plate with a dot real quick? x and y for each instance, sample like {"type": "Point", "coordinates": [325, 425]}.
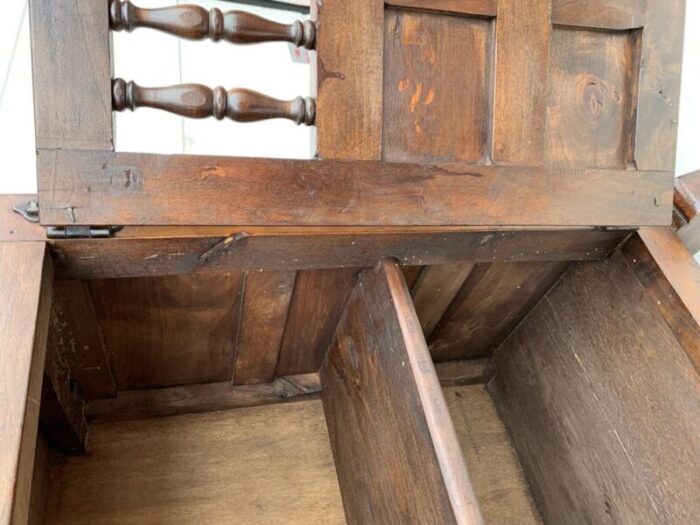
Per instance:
{"type": "Point", "coordinates": [81, 232]}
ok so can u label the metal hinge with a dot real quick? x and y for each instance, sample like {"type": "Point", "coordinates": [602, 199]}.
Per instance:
{"type": "Point", "coordinates": [30, 211]}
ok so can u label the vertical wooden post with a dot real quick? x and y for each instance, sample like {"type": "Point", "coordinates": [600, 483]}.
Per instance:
{"type": "Point", "coordinates": [26, 275]}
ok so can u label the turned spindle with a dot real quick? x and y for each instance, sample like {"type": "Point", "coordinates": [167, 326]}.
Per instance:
{"type": "Point", "coordinates": [198, 101]}
{"type": "Point", "coordinates": [196, 23]}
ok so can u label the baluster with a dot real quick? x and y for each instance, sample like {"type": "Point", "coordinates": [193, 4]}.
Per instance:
{"type": "Point", "coordinates": [198, 101]}
{"type": "Point", "coordinates": [196, 23]}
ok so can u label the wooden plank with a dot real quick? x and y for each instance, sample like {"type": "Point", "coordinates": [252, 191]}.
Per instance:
{"type": "Point", "coordinates": [142, 254]}
{"type": "Point", "coordinates": [433, 293]}
{"type": "Point", "coordinates": [116, 188]}
{"type": "Point", "coordinates": [615, 15]}
{"type": "Point", "coordinates": [461, 373]}
{"type": "Point", "coordinates": [686, 199]}
{"type": "Point", "coordinates": [206, 397]}
{"type": "Point", "coordinates": [659, 85]}
{"type": "Point", "coordinates": [40, 483]}
{"type": "Point", "coordinates": [437, 78]}
{"type": "Point", "coordinates": [266, 299]}
{"type": "Point", "coordinates": [411, 274]}
{"type": "Point", "coordinates": [62, 412]}
{"type": "Point", "coordinates": [671, 277]}
{"type": "Point", "coordinates": [167, 331]}
{"type": "Point", "coordinates": [25, 281]}
{"type": "Point", "coordinates": [72, 74]}
{"type": "Point", "coordinates": [78, 339]}
{"type": "Point", "coordinates": [602, 403]}
{"type": "Point", "coordinates": [386, 415]}
{"type": "Point", "coordinates": [521, 72]}
{"type": "Point", "coordinates": [347, 77]}
{"type": "Point", "coordinates": [318, 300]}
{"type": "Point", "coordinates": [485, 8]}
{"type": "Point", "coordinates": [272, 464]}
{"type": "Point", "coordinates": [494, 298]}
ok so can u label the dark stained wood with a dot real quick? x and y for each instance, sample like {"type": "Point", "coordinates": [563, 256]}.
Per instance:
{"type": "Point", "coordinates": [592, 98]}
{"type": "Point", "coordinates": [686, 200]}
{"type": "Point", "coordinates": [671, 277]}
{"type": "Point", "coordinates": [266, 299]}
{"type": "Point", "coordinates": [196, 23]}
{"type": "Point", "coordinates": [435, 290]}
{"type": "Point", "coordinates": [434, 110]}
{"type": "Point", "coordinates": [347, 78]}
{"type": "Point", "coordinates": [40, 483]}
{"type": "Point", "coordinates": [198, 101]}
{"type": "Point", "coordinates": [71, 71]}
{"type": "Point", "coordinates": [460, 373]}
{"type": "Point", "coordinates": [62, 414]}
{"type": "Point", "coordinates": [78, 339]}
{"type": "Point", "coordinates": [140, 189]}
{"type": "Point", "coordinates": [396, 451]}
{"type": "Point", "coordinates": [602, 403]}
{"type": "Point", "coordinates": [494, 298]}
{"type": "Point", "coordinates": [485, 8]}
{"type": "Point", "coordinates": [166, 331]}
{"type": "Point", "coordinates": [601, 14]}
{"type": "Point", "coordinates": [207, 397]}
{"type": "Point", "coordinates": [141, 251]}
{"type": "Point", "coordinates": [25, 281]}
{"type": "Point", "coordinates": [318, 300]}
{"type": "Point", "coordinates": [411, 274]}
{"type": "Point", "coordinates": [521, 74]}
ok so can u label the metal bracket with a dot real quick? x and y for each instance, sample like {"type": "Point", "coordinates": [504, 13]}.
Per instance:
{"type": "Point", "coordinates": [29, 210]}
{"type": "Point", "coordinates": [81, 232]}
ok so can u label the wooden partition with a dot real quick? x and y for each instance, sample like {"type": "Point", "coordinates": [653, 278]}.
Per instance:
{"type": "Point", "coordinates": [396, 451]}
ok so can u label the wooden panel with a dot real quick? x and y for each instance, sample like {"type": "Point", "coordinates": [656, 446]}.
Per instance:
{"type": "Point", "coordinates": [435, 290]}
{"type": "Point", "coordinates": [436, 87]}
{"type": "Point", "coordinates": [348, 78]}
{"type": "Point", "coordinates": [465, 7]}
{"type": "Point", "coordinates": [116, 188]}
{"type": "Point", "coordinates": [266, 299]}
{"type": "Point", "coordinates": [494, 298]}
{"type": "Point", "coordinates": [498, 480]}
{"type": "Point", "coordinates": [318, 300]}
{"type": "Point", "coordinates": [592, 98]}
{"type": "Point", "coordinates": [210, 397]}
{"type": "Point", "coordinates": [167, 331]}
{"type": "Point", "coordinates": [396, 452]}
{"type": "Point", "coordinates": [671, 278]}
{"type": "Point", "coordinates": [78, 339]}
{"type": "Point", "coordinates": [270, 465]}
{"type": "Point", "coordinates": [25, 281]}
{"type": "Point", "coordinates": [72, 74]}
{"type": "Point", "coordinates": [602, 14]}
{"type": "Point", "coordinates": [602, 403]}
{"type": "Point", "coordinates": [137, 252]}
{"type": "Point", "coordinates": [521, 73]}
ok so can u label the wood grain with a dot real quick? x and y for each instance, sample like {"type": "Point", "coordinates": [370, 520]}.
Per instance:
{"type": "Point", "coordinates": [25, 281]}
{"type": "Point", "coordinates": [602, 403]}
{"type": "Point", "coordinates": [266, 299]}
{"type": "Point", "coordinates": [116, 188]}
{"type": "Point", "coordinates": [486, 8]}
{"type": "Point", "coordinates": [270, 465]}
{"type": "Point", "coordinates": [434, 109]}
{"type": "Point", "coordinates": [318, 300]}
{"type": "Point", "coordinates": [616, 15]}
{"type": "Point", "coordinates": [72, 72]}
{"type": "Point", "coordinates": [686, 199]}
{"type": "Point", "coordinates": [396, 452]}
{"type": "Point", "coordinates": [347, 77]}
{"type": "Point", "coordinates": [494, 298]}
{"type": "Point", "coordinates": [521, 72]}
{"type": "Point", "coordinates": [435, 290]}
{"type": "Point", "coordinates": [166, 331]}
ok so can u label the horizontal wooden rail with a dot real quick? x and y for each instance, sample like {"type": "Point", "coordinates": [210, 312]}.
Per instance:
{"type": "Point", "coordinates": [196, 23]}
{"type": "Point", "coordinates": [198, 101]}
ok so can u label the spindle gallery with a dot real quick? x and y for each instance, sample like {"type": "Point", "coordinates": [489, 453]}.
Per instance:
{"type": "Point", "coordinates": [471, 304]}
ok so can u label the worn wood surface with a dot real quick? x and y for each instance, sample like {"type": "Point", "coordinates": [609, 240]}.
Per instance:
{"type": "Point", "coordinates": [686, 199]}
{"type": "Point", "coordinates": [40, 483]}
{"type": "Point", "coordinates": [600, 14]}
{"type": "Point", "coordinates": [25, 281]}
{"type": "Point", "coordinates": [167, 331]}
{"type": "Point", "coordinates": [141, 189]}
{"type": "Point", "coordinates": [317, 303]}
{"type": "Point", "coordinates": [263, 316]}
{"type": "Point", "coordinates": [395, 449]}
{"type": "Point", "coordinates": [485, 8]}
{"type": "Point", "coordinates": [71, 71]}
{"type": "Point", "coordinates": [255, 465]}
{"type": "Point", "coordinates": [493, 299]}
{"type": "Point", "coordinates": [602, 403]}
